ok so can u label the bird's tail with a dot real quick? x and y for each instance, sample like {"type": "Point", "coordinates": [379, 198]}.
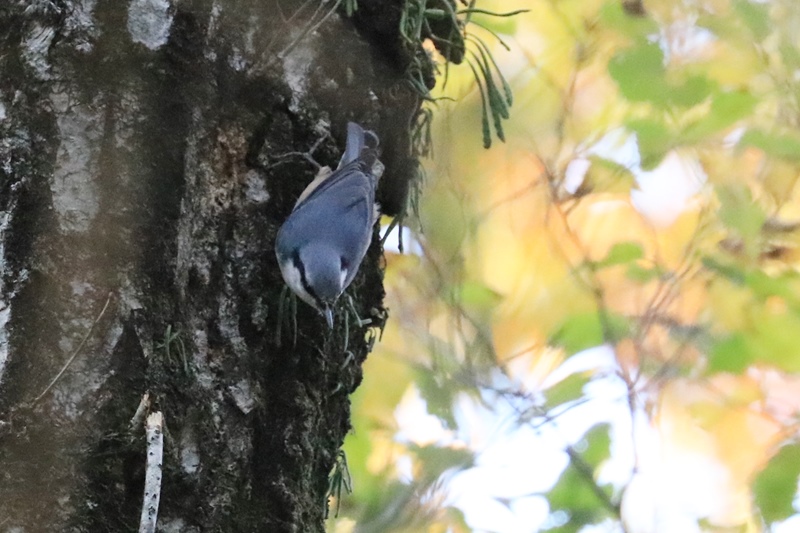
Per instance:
{"type": "Point", "coordinates": [359, 140]}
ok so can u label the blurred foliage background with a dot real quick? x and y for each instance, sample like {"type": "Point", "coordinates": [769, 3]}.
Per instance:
{"type": "Point", "coordinates": [595, 325]}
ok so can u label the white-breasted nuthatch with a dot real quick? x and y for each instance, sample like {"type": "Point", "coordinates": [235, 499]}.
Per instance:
{"type": "Point", "coordinates": [322, 243]}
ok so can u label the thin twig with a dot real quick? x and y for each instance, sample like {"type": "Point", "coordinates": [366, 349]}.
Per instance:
{"type": "Point", "coordinates": [77, 350]}
{"type": "Point", "coordinates": [152, 480]}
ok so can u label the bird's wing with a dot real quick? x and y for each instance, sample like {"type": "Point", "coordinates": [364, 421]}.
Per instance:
{"type": "Point", "coordinates": [342, 216]}
{"type": "Point", "coordinates": [335, 181]}
{"type": "Point", "coordinates": [323, 174]}
{"type": "Point", "coordinates": [360, 155]}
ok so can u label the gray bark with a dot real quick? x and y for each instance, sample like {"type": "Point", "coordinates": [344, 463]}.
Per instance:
{"type": "Point", "coordinates": [143, 165]}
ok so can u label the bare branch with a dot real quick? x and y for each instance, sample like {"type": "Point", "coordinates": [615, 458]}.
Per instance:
{"type": "Point", "coordinates": [152, 480]}
{"type": "Point", "coordinates": [141, 410]}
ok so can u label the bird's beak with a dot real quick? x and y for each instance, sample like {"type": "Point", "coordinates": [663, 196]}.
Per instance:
{"type": "Point", "coordinates": [328, 316]}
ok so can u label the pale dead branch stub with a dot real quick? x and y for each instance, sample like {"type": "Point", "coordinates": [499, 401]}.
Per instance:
{"type": "Point", "coordinates": [152, 481]}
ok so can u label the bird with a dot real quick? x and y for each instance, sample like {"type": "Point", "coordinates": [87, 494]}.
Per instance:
{"type": "Point", "coordinates": [321, 244]}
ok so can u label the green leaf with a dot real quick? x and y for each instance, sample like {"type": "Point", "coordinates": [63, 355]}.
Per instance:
{"type": "Point", "coordinates": [691, 92]}
{"type": "Point", "coordinates": [784, 146]}
{"type": "Point", "coordinates": [654, 140]}
{"type": "Point", "coordinates": [726, 109]}
{"type": "Point", "coordinates": [391, 505]}
{"type": "Point", "coordinates": [477, 298]}
{"type": "Point", "coordinates": [614, 18]}
{"type": "Point", "coordinates": [764, 285]}
{"type": "Point", "coordinates": [438, 459]}
{"type": "Point", "coordinates": [641, 274]}
{"type": "Point", "coordinates": [486, 130]}
{"type": "Point", "coordinates": [639, 73]}
{"type": "Point", "coordinates": [775, 486]}
{"type": "Point", "coordinates": [621, 253]}
{"type": "Point", "coordinates": [574, 492]}
{"type": "Point", "coordinates": [597, 446]}
{"type": "Point", "coordinates": [587, 330]}
{"type": "Point", "coordinates": [755, 16]}
{"type": "Point", "coordinates": [567, 390]}
{"type": "Point", "coordinates": [740, 213]}
{"type": "Point", "coordinates": [456, 518]}
{"type": "Point", "coordinates": [439, 394]}
{"type": "Point", "coordinates": [731, 354]}
{"type": "Point", "coordinates": [774, 339]}
{"type": "Point", "coordinates": [730, 272]}
{"type": "Point", "coordinates": [789, 52]}
{"type": "Point", "coordinates": [605, 175]}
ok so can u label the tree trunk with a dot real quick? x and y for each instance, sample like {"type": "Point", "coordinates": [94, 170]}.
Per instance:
{"type": "Point", "coordinates": [149, 150]}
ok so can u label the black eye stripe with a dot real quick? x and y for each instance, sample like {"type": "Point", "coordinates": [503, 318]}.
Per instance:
{"type": "Point", "coordinates": [299, 266]}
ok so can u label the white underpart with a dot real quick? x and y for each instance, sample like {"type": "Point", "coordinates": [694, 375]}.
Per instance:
{"type": "Point", "coordinates": [149, 22]}
{"type": "Point", "coordinates": [293, 278]}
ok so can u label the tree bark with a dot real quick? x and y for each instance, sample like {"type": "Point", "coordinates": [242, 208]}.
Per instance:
{"type": "Point", "coordinates": [149, 150]}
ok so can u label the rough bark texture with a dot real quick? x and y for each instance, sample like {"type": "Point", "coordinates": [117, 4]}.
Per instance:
{"type": "Point", "coordinates": [143, 164]}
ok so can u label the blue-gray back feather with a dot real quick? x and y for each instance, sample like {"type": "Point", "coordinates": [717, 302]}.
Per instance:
{"type": "Point", "coordinates": [341, 208]}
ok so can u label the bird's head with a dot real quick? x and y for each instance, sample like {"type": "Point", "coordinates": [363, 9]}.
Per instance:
{"type": "Point", "coordinates": [316, 273]}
